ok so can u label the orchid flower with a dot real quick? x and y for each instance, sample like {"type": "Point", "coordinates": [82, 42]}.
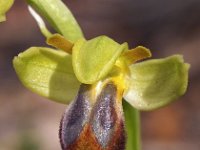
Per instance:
{"type": "Point", "coordinates": [101, 80]}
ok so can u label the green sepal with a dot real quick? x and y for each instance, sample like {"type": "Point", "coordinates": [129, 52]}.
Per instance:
{"type": "Point", "coordinates": [93, 59]}
{"type": "Point", "coordinates": [155, 83]}
{"type": "Point", "coordinates": [59, 16]}
{"type": "Point", "coordinates": [47, 72]}
{"type": "Point", "coordinates": [4, 7]}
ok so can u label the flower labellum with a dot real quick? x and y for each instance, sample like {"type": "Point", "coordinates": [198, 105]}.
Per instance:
{"type": "Point", "coordinates": [94, 120]}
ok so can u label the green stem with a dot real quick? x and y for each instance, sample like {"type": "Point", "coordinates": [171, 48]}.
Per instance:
{"type": "Point", "coordinates": [132, 125]}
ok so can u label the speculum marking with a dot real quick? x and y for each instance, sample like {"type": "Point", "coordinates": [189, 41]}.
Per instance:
{"type": "Point", "coordinates": [104, 115]}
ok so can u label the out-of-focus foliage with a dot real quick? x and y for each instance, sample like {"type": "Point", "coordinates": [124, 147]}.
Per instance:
{"type": "Point", "coordinates": [4, 7]}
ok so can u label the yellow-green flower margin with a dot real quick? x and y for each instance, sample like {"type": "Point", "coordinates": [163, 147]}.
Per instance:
{"type": "Point", "coordinates": [4, 7]}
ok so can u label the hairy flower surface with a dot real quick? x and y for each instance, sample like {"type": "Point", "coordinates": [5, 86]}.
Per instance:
{"type": "Point", "coordinates": [94, 77]}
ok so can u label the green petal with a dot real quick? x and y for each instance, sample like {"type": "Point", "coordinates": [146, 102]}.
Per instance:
{"type": "Point", "coordinates": [59, 16]}
{"type": "Point", "coordinates": [47, 72]}
{"type": "Point", "coordinates": [93, 59]}
{"type": "Point", "coordinates": [155, 83]}
{"type": "Point", "coordinates": [59, 42]}
{"type": "Point", "coordinates": [136, 54]}
{"type": "Point", "coordinates": [4, 7]}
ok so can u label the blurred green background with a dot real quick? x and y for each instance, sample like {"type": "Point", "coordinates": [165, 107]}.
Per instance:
{"type": "Point", "coordinates": [30, 122]}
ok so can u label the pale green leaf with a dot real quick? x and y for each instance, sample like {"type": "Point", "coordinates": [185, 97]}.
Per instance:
{"type": "Point", "coordinates": [4, 7]}
{"type": "Point", "coordinates": [155, 83]}
{"type": "Point", "coordinates": [47, 72]}
{"type": "Point", "coordinates": [93, 59]}
{"type": "Point", "coordinates": [59, 16]}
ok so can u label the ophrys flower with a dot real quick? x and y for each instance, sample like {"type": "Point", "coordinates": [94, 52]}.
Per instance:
{"type": "Point", "coordinates": [93, 77]}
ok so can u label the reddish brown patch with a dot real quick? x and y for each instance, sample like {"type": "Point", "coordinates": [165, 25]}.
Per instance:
{"type": "Point", "coordinates": [118, 140]}
{"type": "Point", "coordinates": [104, 128]}
{"type": "Point", "coordinates": [86, 141]}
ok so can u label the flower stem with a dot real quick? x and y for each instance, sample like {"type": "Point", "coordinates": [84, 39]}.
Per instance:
{"type": "Point", "coordinates": [132, 125]}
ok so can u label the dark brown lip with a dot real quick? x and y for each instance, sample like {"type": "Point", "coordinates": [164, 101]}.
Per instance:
{"type": "Point", "coordinates": [97, 126]}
